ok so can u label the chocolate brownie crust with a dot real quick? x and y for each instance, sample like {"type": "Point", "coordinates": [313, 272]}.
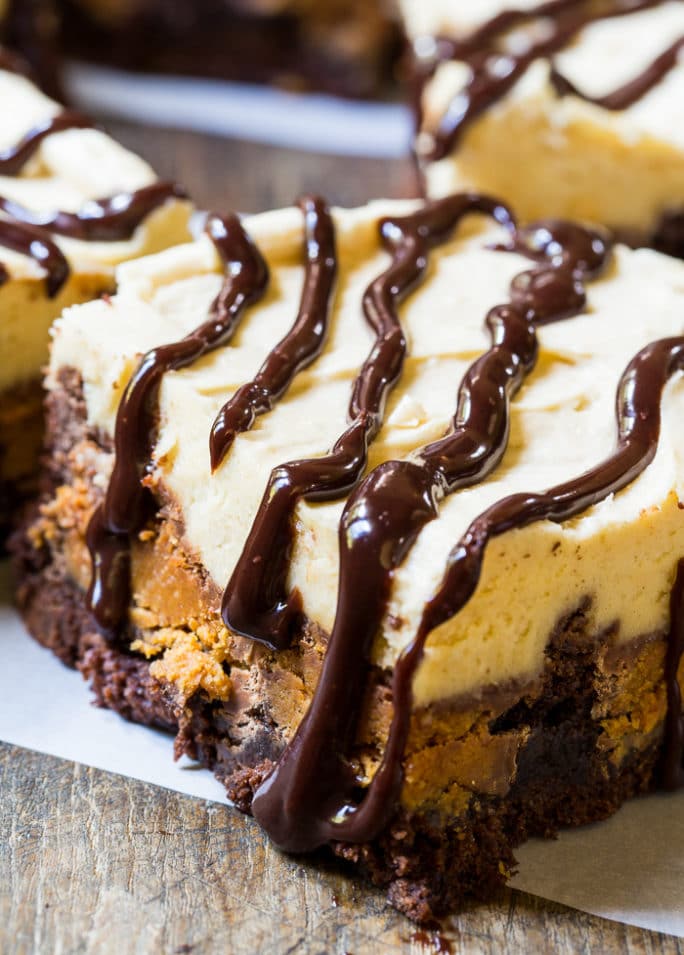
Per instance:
{"type": "Point", "coordinates": [21, 433]}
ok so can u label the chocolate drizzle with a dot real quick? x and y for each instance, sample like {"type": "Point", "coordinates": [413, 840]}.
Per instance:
{"type": "Point", "coordinates": [300, 347]}
{"type": "Point", "coordinates": [105, 220]}
{"type": "Point", "coordinates": [495, 71]}
{"type": "Point", "coordinates": [308, 800]}
{"type": "Point", "coordinates": [38, 245]}
{"type": "Point", "coordinates": [125, 508]}
{"type": "Point", "coordinates": [100, 220]}
{"type": "Point", "coordinates": [13, 160]}
{"type": "Point", "coordinates": [256, 601]}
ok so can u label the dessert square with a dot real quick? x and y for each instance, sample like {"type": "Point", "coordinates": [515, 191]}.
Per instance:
{"type": "Point", "coordinates": [73, 204]}
{"type": "Point", "coordinates": [346, 48]}
{"type": "Point", "coordinates": [566, 108]}
{"type": "Point", "coordinates": [380, 511]}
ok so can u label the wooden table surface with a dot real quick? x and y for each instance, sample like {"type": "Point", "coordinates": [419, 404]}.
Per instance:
{"type": "Point", "coordinates": [91, 862]}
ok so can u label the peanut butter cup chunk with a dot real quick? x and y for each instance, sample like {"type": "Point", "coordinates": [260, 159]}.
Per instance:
{"type": "Point", "coordinates": [379, 511]}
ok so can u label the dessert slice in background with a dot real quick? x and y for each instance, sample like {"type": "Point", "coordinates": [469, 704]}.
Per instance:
{"type": "Point", "coordinates": [341, 47]}
{"type": "Point", "coordinates": [371, 533]}
{"type": "Point", "coordinates": [73, 204]}
{"type": "Point", "coordinates": [568, 108]}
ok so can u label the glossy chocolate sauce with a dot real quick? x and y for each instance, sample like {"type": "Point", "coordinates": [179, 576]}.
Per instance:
{"type": "Point", "coordinates": [100, 220]}
{"type": "Point", "coordinates": [126, 505]}
{"type": "Point", "coordinates": [495, 70]}
{"type": "Point", "coordinates": [302, 344]}
{"type": "Point", "coordinates": [309, 798]}
{"type": "Point", "coordinates": [13, 159]}
{"type": "Point", "coordinates": [256, 601]}
{"type": "Point", "coordinates": [37, 244]}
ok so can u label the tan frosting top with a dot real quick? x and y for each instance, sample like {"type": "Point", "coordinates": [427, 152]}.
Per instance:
{"type": "Point", "coordinates": [621, 553]}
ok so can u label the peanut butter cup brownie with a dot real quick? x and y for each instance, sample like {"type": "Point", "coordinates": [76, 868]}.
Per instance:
{"type": "Point", "coordinates": [342, 46]}
{"type": "Point", "coordinates": [379, 510]}
{"type": "Point", "coordinates": [564, 107]}
{"type": "Point", "coordinates": [73, 204]}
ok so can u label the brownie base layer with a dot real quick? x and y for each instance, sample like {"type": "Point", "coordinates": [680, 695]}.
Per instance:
{"type": "Point", "coordinates": [481, 775]}
{"type": "Point", "coordinates": [21, 438]}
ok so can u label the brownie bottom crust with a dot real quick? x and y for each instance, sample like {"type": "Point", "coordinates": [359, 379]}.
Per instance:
{"type": "Point", "coordinates": [481, 775]}
{"type": "Point", "coordinates": [21, 438]}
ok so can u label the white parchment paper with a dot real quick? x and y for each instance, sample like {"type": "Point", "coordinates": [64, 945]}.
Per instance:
{"type": "Point", "coordinates": [322, 124]}
{"type": "Point", "coordinates": [630, 868]}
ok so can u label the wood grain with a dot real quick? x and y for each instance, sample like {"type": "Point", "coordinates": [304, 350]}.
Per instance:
{"type": "Point", "coordinates": [95, 863]}
{"type": "Point", "coordinates": [92, 862]}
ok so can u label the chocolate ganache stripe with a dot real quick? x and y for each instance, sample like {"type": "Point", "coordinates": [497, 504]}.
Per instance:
{"type": "Point", "coordinates": [302, 344]}
{"type": "Point", "coordinates": [125, 506]}
{"type": "Point", "coordinates": [256, 601]}
{"type": "Point", "coordinates": [494, 72]}
{"type": "Point", "coordinates": [37, 245]}
{"type": "Point", "coordinates": [100, 220]}
{"type": "Point", "coordinates": [307, 801]}
{"type": "Point", "coordinates": [12, 160]}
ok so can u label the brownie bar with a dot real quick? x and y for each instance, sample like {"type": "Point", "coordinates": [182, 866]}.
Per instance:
{"type": "Point", "coordinates": [341, 48]}
{"type": "Point", "coordinates": [530, 759]}
{"type": "Point", "coordinates": [393, 647]}
{"type": "Point", "coordinates": [480, 678]}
